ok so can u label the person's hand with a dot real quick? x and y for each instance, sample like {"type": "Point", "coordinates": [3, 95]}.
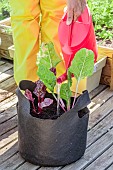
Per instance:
{"type": "Point", "coordinates": [74, 9]}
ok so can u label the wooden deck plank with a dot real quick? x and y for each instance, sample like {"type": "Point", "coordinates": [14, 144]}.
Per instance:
{"type": "Point", "coordinates": [8, 114]}
{"type": "Point", "coordinates": [8, 151]}
{"type": "Point", "coordinates": [111, 167]}
{"type": "Point", "coordinates": [101, 128]}
{"type": "Point", "coordinates": [100, 113]}
{"type": "Point", "coordinates": [97, 91]}
{"type": "Point", "coordinates": [8, 125]}
{"type": "Point", "coordinates": [8, 137]}
{"type": "Point", "coordinates": [50, 168]}
{"type": "Point", "coordinates": [2, 62]}
{"type": "Point", "coordinates": [27, 166]}
{"type": "Point", "coordinates": [4, 105]}
{"type": "Point", "coordinates": [111, 83]}
{"type": "Point", "coordinates": [9, 83]}
{"type": "Point", "coordinates": [103, 161]}
{"type": "Point", "coordinates": [4, 94]}
{"type": "Point", "coordinates": [12, 163]}
{"type": "Point", "coordinates": [6, 75]}
{"type": "Point", "coordinates": [5, 67]}
{"type": "Point", "coordinates": [100, 100]}
{"type": "Point", "coordinates": [93, 152]}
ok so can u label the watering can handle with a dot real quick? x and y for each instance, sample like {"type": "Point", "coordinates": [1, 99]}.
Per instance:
{"type": "Point", "coordinates": [69, 34]}
{"type": "Point", "coordinates": [71, 25]}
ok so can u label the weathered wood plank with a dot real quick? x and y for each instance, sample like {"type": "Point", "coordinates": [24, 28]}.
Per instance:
{"type": "Point", "coordinates": [8, 151]}
{"type": "Point", "coordinates": [5, 67]}
{"type": "Point", "coordinates": [111, 84]}
{"type": "Point", "coordinates": [8, 137]}
{"type": "Point", "coordinates": [4, 105]}
{"type": "Point", "coordinates": [12, 163]}
{"type": "Point", "coordinates": [4, 94]}
{"type": "Point", "coordinates": [98, 90]}
{"type": "Point", "coordinates": [105, 79]}
{"type": "Point", "coordinates": [103, 161]}
{"type": "Point", "coordinates": [101, 112]}
{"type": "Point", "coordinates": [105, 51]}
{"type": "Point", "coordinates": [8, 125]}
{"type": "Point", "coordinates": [111, 167]}
{"type": "Point", "coordinates": [101, 128]}
{"type": "Point", "coordinates": [1, 62]}
{"type": "Point", "coordinates": [93, 152]}
{"type": "Point", "coordinates": [4, 76]}
{"type": "Point", "coordinates": [106, 71]}
{"type": "Point", "coordinates": [4, 53]}
{"type": "Point", "coordinates": [6, 85]}
{"type": "Point", "coordinates": [6, 21]}
{"type": "Point", "coordinates": [50, 168]}
{"type": "Point", "coordinates": [8, 114]}
{"type": "Point", "coordinates": [100, 99]}
{"type": "Point", "coordinates": [27, 166]}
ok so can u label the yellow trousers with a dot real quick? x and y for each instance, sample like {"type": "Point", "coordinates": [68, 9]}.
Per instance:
{"type": "Point", "coordinates": [26, 25]}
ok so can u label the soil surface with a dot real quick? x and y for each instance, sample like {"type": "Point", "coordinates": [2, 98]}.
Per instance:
{"type": "Point", "coordinates": [49, 112]}
{"type": "Point", "coordinates": [107, 43]}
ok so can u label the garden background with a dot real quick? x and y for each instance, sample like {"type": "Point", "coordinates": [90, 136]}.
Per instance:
{"type": "Point", "coordinates": [102, 14]}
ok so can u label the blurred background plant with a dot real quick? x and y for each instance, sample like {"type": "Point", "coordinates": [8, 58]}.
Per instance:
{"type": "Point", "coordinates": [102, 13]}
{"type": "Point", "coordinates": [4, 9]}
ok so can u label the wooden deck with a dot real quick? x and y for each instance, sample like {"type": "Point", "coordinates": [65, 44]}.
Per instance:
{"type": "Point", "coordinates": [99, 151]}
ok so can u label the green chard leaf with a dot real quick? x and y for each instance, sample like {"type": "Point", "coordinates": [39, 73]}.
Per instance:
{"type": "Point", "coordinates": [43, 57]}
{"type": "Point", "coordinates": [65, 92]}
{"type": "Point", "coordinates": [83, 64]}
{"type": "Point", "coordinates": [53, 56]}
{"type": "Point", "coordinates": [69, 78]}
{"type": "Point", "coordinates": [47, 55]}
{"type": "Point", "coordinates": [47, 77]}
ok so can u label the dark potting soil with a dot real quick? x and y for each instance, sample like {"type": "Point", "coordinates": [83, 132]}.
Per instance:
{"type": "Point", "coordinates": [48, 112]}
{"type": "Point", "coordinates": [51, 111]}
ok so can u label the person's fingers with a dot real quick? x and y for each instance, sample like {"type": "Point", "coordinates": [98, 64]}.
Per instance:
{"type": "Point", "coordinates": [69, 16]}
{"type": "Point", "coordinates": [77, 10]}
{"type": "Point", "coordinates": [74, 9]}
{"type": "Point", "coordinates": [83, 5]}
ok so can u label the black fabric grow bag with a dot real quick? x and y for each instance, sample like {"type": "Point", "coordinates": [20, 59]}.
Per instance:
{"type": "Point", "coordinates": [52, 142]}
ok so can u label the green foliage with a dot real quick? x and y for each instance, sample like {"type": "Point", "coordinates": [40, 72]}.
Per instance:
{"type": "Point", "coordinates": [102, 14]}
{"type": "Point", "coordinates": [47, 77]}
{"type": "Point", "coordinates": [65, 92]}
{"type": "Point", "coordinates": [4, 9]}
{"type": "Point", "coordinates": [47, 59]}
{"type": "Point", "coordinates": [83, 64]}
{"type": "Point", "coordinates": [8, 30]}
{"type": "Point", "coordinates": [47, 55]}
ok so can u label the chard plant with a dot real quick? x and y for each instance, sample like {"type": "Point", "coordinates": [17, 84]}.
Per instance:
{"type": "Point", "coordinates": [81, 66]}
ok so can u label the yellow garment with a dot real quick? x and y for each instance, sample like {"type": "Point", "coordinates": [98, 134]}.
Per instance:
{"type": "Point", "coordinates": [25, 17]}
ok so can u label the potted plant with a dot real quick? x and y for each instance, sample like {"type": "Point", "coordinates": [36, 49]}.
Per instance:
{"type": "Point", "coordinates": [52, 127]}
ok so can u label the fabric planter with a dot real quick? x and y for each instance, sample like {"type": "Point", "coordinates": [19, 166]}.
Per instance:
{"type": "Point", "coordinates": [50, 142]}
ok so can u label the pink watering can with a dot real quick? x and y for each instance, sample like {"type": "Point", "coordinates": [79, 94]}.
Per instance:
{"type": "Point", "coordinates": [79, 34]}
